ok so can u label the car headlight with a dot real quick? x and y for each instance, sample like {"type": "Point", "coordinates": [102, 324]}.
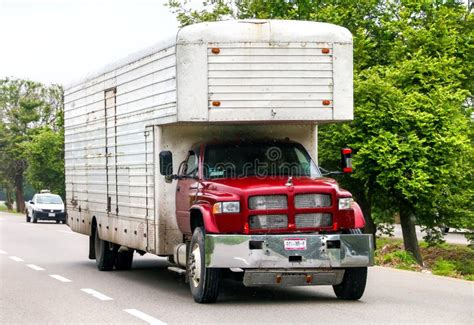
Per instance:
{"type": "Point", "coordinates": [226, 207]}
{"type": "Point", "coordinates": [345, 203]}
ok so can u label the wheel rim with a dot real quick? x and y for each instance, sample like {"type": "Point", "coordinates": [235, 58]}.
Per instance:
{"type": "Point", "coordinates": [195, 265]}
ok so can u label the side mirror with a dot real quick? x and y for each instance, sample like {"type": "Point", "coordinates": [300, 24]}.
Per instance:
{"type": "Point", "coordinates": [31, 202]}
{"type": "Point", "coordinates": [346, 160]}
{"type": "Point", "coordinates": [166, 163]}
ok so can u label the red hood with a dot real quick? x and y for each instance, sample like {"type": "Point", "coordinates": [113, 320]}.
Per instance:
{"type": "Point", "coordinates": [272, 184]}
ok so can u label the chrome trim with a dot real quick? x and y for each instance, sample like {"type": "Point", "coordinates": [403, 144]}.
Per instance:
{"type": "Point", "coordinates": [233, 251]}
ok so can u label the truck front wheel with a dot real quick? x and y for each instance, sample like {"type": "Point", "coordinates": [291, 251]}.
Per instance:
{"type": "Point", "coordinates": [203, 281]}
{"type": "Point", "coordinates": [104, 253]}
{"type": "Point", "coordinates": [353, 284]}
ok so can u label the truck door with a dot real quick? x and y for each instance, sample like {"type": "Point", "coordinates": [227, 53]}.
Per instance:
{"type": "Point", "coordinates": [186, 190]}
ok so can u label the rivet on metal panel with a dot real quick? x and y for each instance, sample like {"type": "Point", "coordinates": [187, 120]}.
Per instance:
{"type": "Point", "coordinates": [326, 102]}
{"type": "Point", "coordinates": [144, 235]}
{"type": "Point", "coordinates": [135, 232]}
{"type": "Point", "coordinates": [107, 227]}
{"type": "Point", "coordinates": [100, 225]}
{"type": "Point", "coordinates": [83, 221]}
{"type": "Point", "coordinates": [325, 50]}
{"type": "Point", "coordinates": [125, 230]}
{"type": "Point", "coordinates": [115, 228]}
{"type": "Point", "coordinates": [216, 103]}
{"type": "Point", "coordinates": [216, 50]}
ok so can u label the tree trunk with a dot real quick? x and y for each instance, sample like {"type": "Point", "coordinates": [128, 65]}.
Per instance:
{"type": "Point", "coordinates": [410, 240]}
{"type": "Point", "coordinates": [9, 198]}
{"type": "Point", "coordinates": [19, 196]}
{"type": "Point", "coordinates": [365, 203]}
{"type": "Point", "coordinates": [370, 227]}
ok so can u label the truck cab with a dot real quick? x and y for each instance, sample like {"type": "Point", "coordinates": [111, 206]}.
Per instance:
{"type": "Point", "coordinates": [255, 187]}
{"type": "Point", "coordinates": [264, 209]}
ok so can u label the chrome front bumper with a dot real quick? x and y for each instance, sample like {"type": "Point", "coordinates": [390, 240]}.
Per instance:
{"type": "Point", "coordinates": [268, 251]}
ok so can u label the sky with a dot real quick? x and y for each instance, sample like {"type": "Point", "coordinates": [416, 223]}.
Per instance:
{"type": "Point", "coordinates": [60, 41]}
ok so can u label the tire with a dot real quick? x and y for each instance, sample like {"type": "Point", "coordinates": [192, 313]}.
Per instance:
{"type": "Point", "coordinates": [28, 219]}
{"type": "Point", "coordinates": [105, 253]}
{"type": "Point", "coordinates": [203, 281]}
{"type": "Point", "coordinates": [33, 217]}
{"type": "Point", "coordinates": [58, 221]}
{"type": "Point", "coordinates": [64, 222]}
{"type": "Point", "coordinates": [124, 260]}
{"type": "Point", "coordinates": [354, 281]}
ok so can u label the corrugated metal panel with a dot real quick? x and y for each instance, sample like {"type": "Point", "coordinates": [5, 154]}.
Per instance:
{"type": "Point", "coordinates": [108, 152]}
{"type": "Point", "coordinates": [270, 75]}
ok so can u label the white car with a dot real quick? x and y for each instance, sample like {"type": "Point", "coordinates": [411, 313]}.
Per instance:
{"type": "Point", "coordinates": [45, 206]}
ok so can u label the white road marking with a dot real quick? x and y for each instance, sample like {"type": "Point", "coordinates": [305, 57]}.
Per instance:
{"type": "Point", "coordinates": [96, 294]}
{"type": "Point", "coordinates": [144, 317]}
{"type": "Point", "coordinates": [2, 252]}
{"type": "Point", "coordinates": [16, 258]}
{"type": "Point", "coordinates": [59, 278]}
{"type": "Point", "coordinates": [35, 267]}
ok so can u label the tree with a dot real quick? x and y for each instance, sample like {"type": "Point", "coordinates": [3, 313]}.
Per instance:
{"type": "Point", "coordinates": [25, 107]}
{"type": "Point", "coordinates": [413, 85]}
{"type": "Point", "coordinates": [45, 157]}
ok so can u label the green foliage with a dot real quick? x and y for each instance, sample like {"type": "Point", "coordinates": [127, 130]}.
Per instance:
{"type": "Point", "coordinates": [443, 267]}
{"type": "Point", "coordinates": [25, 108]}
{"type": "Point", "coordinates": [45, 157]}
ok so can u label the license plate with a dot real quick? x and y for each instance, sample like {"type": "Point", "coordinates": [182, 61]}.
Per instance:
{"type": "Point", "coordinates": [295, 244]}
{"type": "Point", "coordinates": [52, 214]}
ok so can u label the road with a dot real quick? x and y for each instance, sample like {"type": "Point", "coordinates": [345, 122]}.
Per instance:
{"type": "Point", "coordinates": [46, 278]}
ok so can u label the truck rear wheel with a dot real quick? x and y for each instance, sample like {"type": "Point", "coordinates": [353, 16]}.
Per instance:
{"type": "Point", "coordinates": [203, 281]}
{"type": "Point", "coordinates": [124, 259]}
{"type": "Point", "coordinates": [353, 284]}
{"type": "Point", "coordinates": [105, 253]}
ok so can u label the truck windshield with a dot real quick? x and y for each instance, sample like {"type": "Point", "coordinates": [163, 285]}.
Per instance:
{"type": "Point", "coordinates": [265, 159]}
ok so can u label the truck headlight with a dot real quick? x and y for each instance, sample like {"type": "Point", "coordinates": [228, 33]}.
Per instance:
{"type": "Point", "coordinates": [345, 203]}
{"type": "Point", "coordinates": [226, 207]}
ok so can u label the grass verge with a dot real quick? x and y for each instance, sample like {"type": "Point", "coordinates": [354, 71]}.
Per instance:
{"type": "Point", "coordinates": [451, 260]}
{"type": "Point", "coordinates": [3, 208]}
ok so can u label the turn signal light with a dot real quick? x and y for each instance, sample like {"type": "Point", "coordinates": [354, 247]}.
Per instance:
{"type": "Point", "coordinates": [325, 50]}
{"type": "Point", "coordinates": [216, 50]}
{"type": "Point", "coordinates": [216, 103]}
{"type": "Point", "coordinates": [309, 278]}
{"type": "Point", "coordinates": [278, 279]}
{"type": "Point", "coordinates": [326, 102]}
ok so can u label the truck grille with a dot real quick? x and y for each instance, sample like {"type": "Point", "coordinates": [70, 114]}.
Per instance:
{"type": "Point", "coordinates": [313, 220]}
{"type": "Point", "coordinates": [312, 200]}
{"type": "Point", "coordinates": [268, 202]}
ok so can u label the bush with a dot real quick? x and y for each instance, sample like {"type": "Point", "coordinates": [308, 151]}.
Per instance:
{"type": "Point", "coordinates": [443, 267]}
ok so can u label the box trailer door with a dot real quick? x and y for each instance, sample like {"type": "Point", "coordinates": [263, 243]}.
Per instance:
{"type": "Point", "coordinates": [111, 151]}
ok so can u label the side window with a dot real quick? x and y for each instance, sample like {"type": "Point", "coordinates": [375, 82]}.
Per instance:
{"type": "Point", "coordinates": [34, 198]}
{"type": "Point", "coordinates": [190, 166]}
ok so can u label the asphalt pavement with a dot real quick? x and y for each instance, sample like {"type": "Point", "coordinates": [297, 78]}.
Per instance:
{"type": "Point", "coordinates": [45, 277]}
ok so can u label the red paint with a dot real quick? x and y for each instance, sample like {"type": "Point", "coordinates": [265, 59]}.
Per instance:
{"type": "Point", "coordinates": [201, 194]}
